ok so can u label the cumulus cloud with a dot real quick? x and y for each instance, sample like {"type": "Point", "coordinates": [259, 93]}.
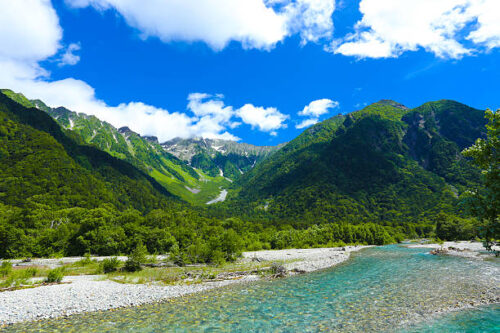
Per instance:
{"type": "Point", "coordinates": [29, 30]}
{"type": "Point", "coordinates": [312, 19]}
{"type": "Point", "coordinates": [254, 23]}
{"type": "Point", "coordinates": [314, 110]}
{"type": "Point", "coordinates": [487, 13]}
{"type": "Point", "coordinates": [390, 27]}
{"type": "Point", "coordinates": [307, 123]}
{"type": "Point", "coordinates": [265, 119]}
{"type": "Point", "coordinates": [35, 23]}
{"type": "Point", "coordinates": [318, 107]}
{"type": "Point", "coordinates": [69, 57]}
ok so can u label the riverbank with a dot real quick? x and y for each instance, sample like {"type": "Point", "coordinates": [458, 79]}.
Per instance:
{"type": "Point", "coordinates": [90, 293]}
{"type": "Point", "coordinates": [466, 249]}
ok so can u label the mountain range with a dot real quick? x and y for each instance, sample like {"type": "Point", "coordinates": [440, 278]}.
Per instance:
{"type": "Point", "coordinates": [385, 163]}
{"type": "Point", "coordinates": [193, 169]}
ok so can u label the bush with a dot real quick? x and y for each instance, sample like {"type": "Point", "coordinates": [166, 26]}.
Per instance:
{"type": "Point", "coordinates": [109, 265]}
{"type": "Point", "coordinates": [6, 268]}
{"type": "Point", "coordinates": [85, 261]}
{"type": "Point", "coordinates": [136, 258]}
{"type": "Point", "coordinates": [217, 258]}
{"type": "Point", "coordinates": [30, 272]}
{"type": "Point", "coordinates": [55, 275]}
{"type": "Point", "coordinates": [278, 270]}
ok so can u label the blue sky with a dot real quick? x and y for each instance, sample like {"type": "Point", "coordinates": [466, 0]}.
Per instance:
{"type": "Point", "coordinates": [170, 79]}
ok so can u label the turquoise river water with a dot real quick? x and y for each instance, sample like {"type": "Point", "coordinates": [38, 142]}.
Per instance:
{"type": "Point", "coordinates": [383, 289]}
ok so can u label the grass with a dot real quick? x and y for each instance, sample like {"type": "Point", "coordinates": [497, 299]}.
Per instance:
{"type": "Point", "coordinates": [21, 277]}
{"type": "Point", "coordinates": [17, 277]}
{"type": "Point", "coordinates": [185, 275]}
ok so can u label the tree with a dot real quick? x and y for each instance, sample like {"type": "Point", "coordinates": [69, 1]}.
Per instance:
{"type": "Point", "coordinates": [485, 202]}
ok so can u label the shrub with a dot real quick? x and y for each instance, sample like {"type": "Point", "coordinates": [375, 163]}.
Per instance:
{"type": "Point", "coordinates": [109, 265]}
{"type": "Point", "coordinates": [217, 258]}
{"type": "Point", "coordinates": [136, 258]}
{"type": "Point", "coordinates": [55, 275]}
{"type": "Point", "coordinates": [278, 270]}
{"type": "Point", "coordinates": [6, 268]}
{"type": "Point", "coordinates": [30, 272]}
{"type": "Point", "coordinates": [85, 261]}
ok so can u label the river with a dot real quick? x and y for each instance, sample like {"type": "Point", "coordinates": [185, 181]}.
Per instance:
{"type": "Point", "coordinates": [382, 289]}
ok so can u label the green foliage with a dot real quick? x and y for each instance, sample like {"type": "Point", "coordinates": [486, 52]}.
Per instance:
{"type": "Point", "coordinates": [384, 164]}
{"type": "Point", "coordinates": [55, 275]}
{"type": "Point", "coordinates": [136, 258]}
{"type": "Point", "coordinates": [5, 268]}
{"type": "Point", "coordinates": [41, 165]}
{"type": "Point", "coordinates": [376, 176]}
{"type": "Point", "coordinates": [485, 202]}
{"type": "Point", "coordinates": [109, 265]}
{"type": "Point", "coordinates": [455, 228]}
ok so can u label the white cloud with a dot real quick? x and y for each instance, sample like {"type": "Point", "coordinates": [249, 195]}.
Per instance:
{"type": "Point", "coordinates": [29, 30]}
{"type": "Point", "coordinates": [318, 107]}
{"type": "Point", "coordinates": [215, 22]}
{"type": "Point", "coordinates": [69, 58]}
{"type": "Point", "coordinates": [254, 23]}
{"type": "Point", "coordinates": [314, 110]}
{"type": "Point", "coordinates": [390, 27]}
{"type": "Point", "coordinates": [307, 122]}
{"type": "Point", "coordinates": [487, 13]}
{"type": "Point", "coordinates": [312, 19]}
{"type": "Point", "coordinates": [265, 119]}
{"type": "Point", "coordinates": [35, 23]}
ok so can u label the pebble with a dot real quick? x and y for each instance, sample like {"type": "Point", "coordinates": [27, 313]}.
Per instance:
{"type": "Point", "coordinates": [84, 294]}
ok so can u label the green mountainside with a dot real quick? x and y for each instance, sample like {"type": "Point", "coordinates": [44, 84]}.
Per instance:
{"type": "Point", "coordinates": [41, 165]}
{"type": "Point", "coordinates": [385, 163]}
{"type": "Point", "coordinates": [195, 186]}
{"type": "Point", "coordinates": [194, 169]}
{"type": "Point", "coordinates": [71, 184]}
{"type": "Point", "coordinates": [61, 196]}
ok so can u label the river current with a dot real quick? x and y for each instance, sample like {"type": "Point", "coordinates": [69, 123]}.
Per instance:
{"type": "Point", "coordinates": [382, 289]}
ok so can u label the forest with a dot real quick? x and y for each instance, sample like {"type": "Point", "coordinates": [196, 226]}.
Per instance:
{"type": "Point", "coordinates": [367, 178]}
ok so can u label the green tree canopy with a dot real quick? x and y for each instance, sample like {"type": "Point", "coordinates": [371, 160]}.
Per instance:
{"type": "Point", "coordinates": [485, 202]}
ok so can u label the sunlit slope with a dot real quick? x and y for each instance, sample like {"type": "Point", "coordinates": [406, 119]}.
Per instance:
{"type": "Point", "coordinates": [382, 163]}
{"type": "Point", "coordinates": [42, 166]}
{"type": "Point", "coordinates": [145, 153]}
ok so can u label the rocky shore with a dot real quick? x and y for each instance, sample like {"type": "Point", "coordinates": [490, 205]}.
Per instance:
{"type": "Point", "coordinates": [464, 249]}
{"type": "Point", "coordinates": [305, 260]}
{"type": "Point", "coordinates": [89, 293]}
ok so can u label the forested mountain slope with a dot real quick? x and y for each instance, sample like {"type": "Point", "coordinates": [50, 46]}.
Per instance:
{"type": "Point", "coordinates": [175, 175]}
{"type": "Point", "coordinates": [385, 163]}
{"type": "Point", "coordinates": [42, 165]}
{"type": "Point", "coordinates": [373, 176]}
{"type": "Point", "coordinates": [62, 196]}
{"type": "Point", "coordinates": [194, 169]}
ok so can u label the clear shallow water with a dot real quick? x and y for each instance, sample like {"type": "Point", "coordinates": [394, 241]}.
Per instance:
{"type": "Point", "coordinates": [482, 319]}
{"type": "Point", "coordinates": [388, 288]}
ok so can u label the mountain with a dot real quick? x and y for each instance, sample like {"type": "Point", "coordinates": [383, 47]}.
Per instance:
{"type": "Point", "coordinates": [384, 163]}
{"type": "Point", "coordinates": [375, 176]}
{"type": "Point", "coordinates": [60, 196]}
{"type": "Point", "coordinates": [219, 157]}
{"type": "Point", "coordinates": [175, 175]}
{"type": "Point", "coordinates": [43, 166]}
{"type": "Point", "coordinates": [197, 170]}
